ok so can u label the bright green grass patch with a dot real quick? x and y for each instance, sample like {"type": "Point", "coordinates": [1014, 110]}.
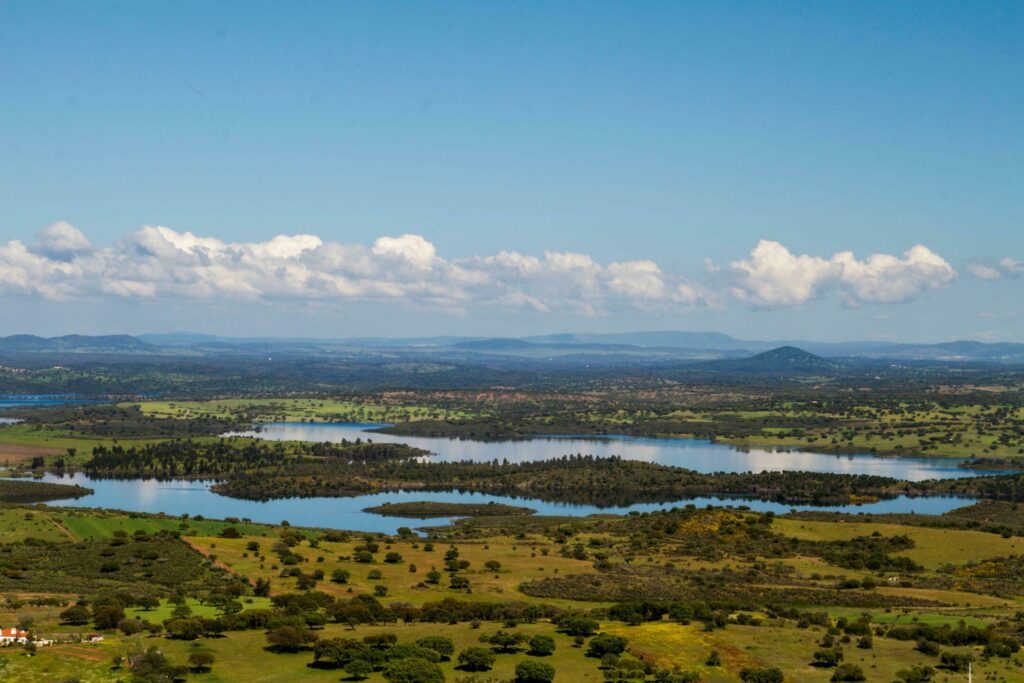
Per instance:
{"type": "Point", "coordinates": [163, 612]}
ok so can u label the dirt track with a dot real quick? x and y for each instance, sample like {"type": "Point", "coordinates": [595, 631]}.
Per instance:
{"type": "Point", "coordinates": [11, 452]}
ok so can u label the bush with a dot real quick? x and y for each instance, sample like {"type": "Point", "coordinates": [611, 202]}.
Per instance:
{"type": "Point", "coordinates": [289, 638]}
{"type": "Point", "coordinates": [918, 674]}
{"type": "Point", "coordinates": [76, 615]}
{"type": "Point", "coordinates": [413, 670]}
{"type": "Point", "coordinates": [200, 662]}
{"type": "Point", "coordinates": [606, 644]}
{"type": "Point", "coordinates": [578, 625]}
{"type": "Point", "coordinates": [956, 662]}
{"type": "Point", "coordinates": [828, 658]}
{"type": "Point", "coordinates": [761, 676]}
{"type": "Point", "coordinates": [541, 646]}
{"type": "Point", "coordinates": [439, 644]}
{"type": "Point", "coordinates": [476, 659]}
{"type": "Point", "coordinates": [531, 671]}
{"type": "Point", "coordinates": [359, 669]}
{"type": "Point", "coordinates": [848, 672]}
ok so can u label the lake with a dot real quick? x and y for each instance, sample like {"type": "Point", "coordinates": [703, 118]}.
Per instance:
{"type": "Point", "coordinates": [195, 497]}
{"type": "Point", "coordinates": [695, 454]}
{"type": "Point", "coordinates": [177, 497]}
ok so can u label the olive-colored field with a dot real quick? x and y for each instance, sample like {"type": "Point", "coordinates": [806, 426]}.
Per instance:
{"type": "Point", "coordinates": [934, 548]}
{"type": "Point", "coordinates": [520, 561]}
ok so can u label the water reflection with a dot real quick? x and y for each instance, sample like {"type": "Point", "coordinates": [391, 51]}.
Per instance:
{"type": "Point", "coordinates": [178, 497]}
{"type": "Point", "coordinates": [695, 454]}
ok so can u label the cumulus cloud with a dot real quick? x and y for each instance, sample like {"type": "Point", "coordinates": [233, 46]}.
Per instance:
{"type": "Point", "coordinates": [772, 276]}
{"type": "Point", "coordinates": [996, 269]}
{"type": "Point", "coordinates": [158, 263]}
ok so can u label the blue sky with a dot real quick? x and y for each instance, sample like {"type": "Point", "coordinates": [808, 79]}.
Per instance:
{"type": "Point", "coordinates": [673, 133]}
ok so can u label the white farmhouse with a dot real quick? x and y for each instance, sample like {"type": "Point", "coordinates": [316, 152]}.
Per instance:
{"type": "Point", "coordinates": [12, 636]}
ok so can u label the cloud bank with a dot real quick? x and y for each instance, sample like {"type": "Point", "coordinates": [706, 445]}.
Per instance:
{"type": "Point", "coordinates": [158, 264]}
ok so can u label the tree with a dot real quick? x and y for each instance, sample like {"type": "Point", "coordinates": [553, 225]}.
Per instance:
{"type": "Point", "coordinates": [606, 644]}
{"type": "Point", "coordinates": [761, 676]}
{"type": "Point", "coordinates": [289, 638]}
{"type": "Point", "coordinates": [76, 615]}
{"type": "Point", "coordinates": [439, 644]}
{"type": "Point", "coordinates": [828, 658]}
{"type": "Point", "coordinates": [542, 646]}
{"type": "Point", "coordinates": [848, 672]}
{"type": "Point", "coordinates": [184, 629]}
{"type": "Point", "coordinates": [714, 659]}
{"type": "Point", "coordinates": [200, 661]}
{"type": "Point", "coordinates": [492, 565]}
{"type": "Point", "coordinates": [359, 669]}
{"type": "Point", "coordinates": [107, 616]}
{"type": "Point", "coordinates": [476, 659]}
{"type": "Point", "coordinates": [956, 662]}
{"type": "Point", "coordinates": [340, 576]}
{"type": "Point", "coordinates": [532, 671]}
{"type": "Point", "coordinates": [505, 641]}
{"type": "Point", "coordinates": [578, 625]}
{"type": "Point", "coordinates": [917, 674]}
{"type": "Point", "coordinates": [148, 602]}
{"type": "Point", "coordinates": [393, 558]}
{"type": "Point", "coordinates": [413, 670]}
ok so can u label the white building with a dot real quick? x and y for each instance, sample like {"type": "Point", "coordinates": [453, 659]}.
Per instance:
{"type": "Point", "coordinates": [12, 636]}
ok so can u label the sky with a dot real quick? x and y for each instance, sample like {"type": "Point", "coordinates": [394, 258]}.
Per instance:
{"type": "Point", "coordinates": [767, 169]}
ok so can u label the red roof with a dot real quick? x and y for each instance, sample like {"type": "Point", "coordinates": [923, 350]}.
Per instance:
{"type": "Point", "coordinates": [12, 633]}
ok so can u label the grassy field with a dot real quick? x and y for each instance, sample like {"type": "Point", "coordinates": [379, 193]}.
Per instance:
{"type": "Point", "coordinates": [301, 410]}
{"type": "Point", "coordinates": [933, 547]}
{"type": "Point", "coordinates": [787, 648]}
{"type": "Point", "coordinates": [47, 441]}
{"type": "Point", "coordinates": [520, 561]}
{"type": "Point", "coordinates": [524, 553]}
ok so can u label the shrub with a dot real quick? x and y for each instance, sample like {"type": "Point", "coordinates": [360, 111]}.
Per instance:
{"type": "Point", "coordinates": [541, 645]}
{"type": "Point", "coordinates": [578, 625]}
{"type": "Point", "coordinates": [476, 659]}
{"type": "Point", "coordinates": [531, 671]}
{"type": "Point", "coordinates": [606, 644]}
{"type": "Point", "coordinates": [439, 644]}
{"type": "Point", "coordinates": [848, 672]}
{"type": "Point", "coordinates": [200, 662]}
{"type": "Point", "coordinates": [413, 670]}
{"type": "Point", "coordinates": [289, 638]}
{"type": "Point", "coordinates": [771, 675]}
{"type": "Point", "coordinates": [956, 662]}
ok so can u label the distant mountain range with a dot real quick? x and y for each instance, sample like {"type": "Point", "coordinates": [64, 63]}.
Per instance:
{"type": "Point", "coordinates": [714, 348]}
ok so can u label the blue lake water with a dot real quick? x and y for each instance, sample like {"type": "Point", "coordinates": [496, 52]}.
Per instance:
{"type": "Point", "coordinates": [196, 498]}
{"type": "Point", "coordinates": [696, 454]}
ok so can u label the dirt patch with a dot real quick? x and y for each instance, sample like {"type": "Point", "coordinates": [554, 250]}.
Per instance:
{"type": "Point", "coordinates": [205, 552]}
{"type": "Point", "coordinates": [11, 452]}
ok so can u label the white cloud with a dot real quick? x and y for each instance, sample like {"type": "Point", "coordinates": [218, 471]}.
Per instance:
{"type": "Point", "coordinates": [772, 276]}
{"type": "Point", "coordinates": [997, 269]}
{"type": "Point", "coordinates": [160, 264]}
